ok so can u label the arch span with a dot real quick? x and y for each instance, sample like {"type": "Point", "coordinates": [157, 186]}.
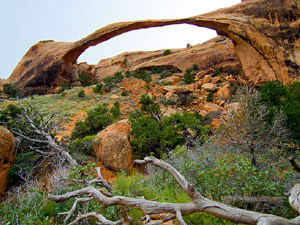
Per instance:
{"type": "Point", "coordinates": [267, 48]}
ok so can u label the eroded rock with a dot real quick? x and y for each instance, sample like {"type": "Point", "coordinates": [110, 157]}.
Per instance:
{"type": "Point", "coordinates": [112, 147]}
{"type": "Point", "coordinates": [265, 38]}
{"type": "Point", "coordinates": [7, 156]}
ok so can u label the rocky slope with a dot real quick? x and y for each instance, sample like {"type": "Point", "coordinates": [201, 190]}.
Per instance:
{"type": "Point", "coordinates": [265, 36]}
{"type": "Point", "coordinates": [215, 53]}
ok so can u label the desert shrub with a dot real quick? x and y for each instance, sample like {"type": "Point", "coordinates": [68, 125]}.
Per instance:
{"type": "Point", "coordinates": [125, 93]}
{"type": "Point", "coordinates": [81, 148]}
{"type": "Point", "coordinates": [188, 45]}
{"type": "Point", "coordinates": [163, 101]}
{"type": "Point", "coordinates": [115, 110]}
{"type": "Point", "coordinates": [189, 77]}
{"type": "Point", "coordinates": [209, 97]}
{"type": "Point", "coordinates": [64, 86]}
{"type": "Point", "coordinates": [98, 88]}
{"type": "Point", "coordinates": [185, 98]}
{"type": "Point", "coordinates": [97, 119]}
{"type": "Point", "coordinates": [164, 74]}
{"type": "Point", "coordinates": [195, 67]}
{"type": "Point", "coordinates": [165, 83]}
{"type": "Point", "coordinates": [110, 82]}
{"type": "Point", "coordinates": [11, 91]}
{"type": "Point", "coordinates": [81, 94]}
{"type": "Point", "coordinates": [167, 52]}
{"type": "Point", "coordinates": [156, 135]}
{"type": "Point", "coordinates": [171, 101]}
{"type": "Point", "coordinates": [84, 79]}
{"type": "Point", "coordinates": [157, 69]}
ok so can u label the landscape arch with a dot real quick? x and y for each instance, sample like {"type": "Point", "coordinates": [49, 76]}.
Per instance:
{"type": "Point", "coordinates": [261, 33]}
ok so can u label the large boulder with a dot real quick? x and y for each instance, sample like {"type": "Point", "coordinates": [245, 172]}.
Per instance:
{"type": "Point", "coordinates": [264, 34]}
{"type": "Point", "coordinates": [112, 147]}
{"type": "Point", "coordinates": [7, 156]}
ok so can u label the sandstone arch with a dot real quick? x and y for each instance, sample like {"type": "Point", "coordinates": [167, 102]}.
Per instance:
{"type": "Point", "coordinates": [266, 37]}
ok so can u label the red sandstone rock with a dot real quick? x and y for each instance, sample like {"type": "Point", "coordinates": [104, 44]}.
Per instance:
{"type": "Point", "coordinates": [7, 156]}
{"type": "Point", "coordinates": [265, 38]}
{"type": "Point", "coordinates": [112, 147]}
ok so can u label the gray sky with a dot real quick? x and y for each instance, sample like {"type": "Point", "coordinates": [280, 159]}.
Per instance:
{"type": "Point", "coordinates": [24, 23]}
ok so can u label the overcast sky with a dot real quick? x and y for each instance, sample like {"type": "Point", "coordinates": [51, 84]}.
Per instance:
{"type": "Point", "coordinates": [24, 23]}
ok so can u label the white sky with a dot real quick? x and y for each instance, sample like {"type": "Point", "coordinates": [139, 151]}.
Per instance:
{"type": "Point", "coordinates": [24, 23]}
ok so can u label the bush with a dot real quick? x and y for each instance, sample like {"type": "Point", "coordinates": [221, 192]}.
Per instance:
{"type": "Point", "coordinates": [80, 148]}
{"type": "Point", "coordinates": [125, 93]}
{"type": "Point", "coordinates": [154, 135]}
{"type": "Point", "coordinates": [96, 120]}
{"type": "Point", "coordinates": [167, 52]}
{"type": "Point", "coordinates": [81, 94]}
{"type": "Point", "coordinates": [64, 86]}
{"type": "Point", "coordinates": [209, 97]}
{"type": "Point", "coordinates": [11, 91]}
{"type": "Point", "coordinates": [84, 79]}
{"type": "Point", "coordinates": [115, 110]}
{"type": "Point", "coordinates": [98, 88]}
{"type": "Point", "coordinates": [165, 74]}
{"type": "Point", "coordinates": [195, 67]}
{"type": "Point", "coordinates": [189, 77]}
{"type": "Point", "coordinates": [157, 69]}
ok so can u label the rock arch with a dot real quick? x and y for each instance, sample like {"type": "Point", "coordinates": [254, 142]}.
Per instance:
{"type": "Point", "coordinates": [268, 48]}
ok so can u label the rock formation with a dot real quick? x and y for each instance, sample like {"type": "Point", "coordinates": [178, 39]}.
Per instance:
{"type": "Point", "coordinates": [112, 147]}
{"type": "Point", "coordinates": [7, 156]}
{"type": "Point", "coordinates": [217, 52]}
{"type": "Point", "coordinates": [265, 35]}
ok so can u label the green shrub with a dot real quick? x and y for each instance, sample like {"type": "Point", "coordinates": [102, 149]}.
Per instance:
{"type": "Point", "coordinates": [167, 52]}
{"type": "Point", "coordinates": [115, 110]}
{"type": "Point", "coordinates": [64, 86]}
{"type": "Point", "coordinates": [165, 74]}
{"type": "Point", "coordinates": [171, 101]}
{"type": "Point", "coordinates": [81, 94]}
{"type": "Point", "coordinates": [209, 97]}
{"type": "Point", "coordinates": [84, 79]}
{"type": "Point", "coordinates": [195, 67]}
{"type": "Point", "coordinates": [189, 77]}
{"type": "Point", "coordinates": [98, 88]}
{"type": "Point", "coordinates": [125, 93]}
{"type": "Point", "coordinates": [157, 69]}
{"type": "Point", "coordinates": [154, 135]}
{"type": "Point", "coordinates": [81, 148]}
{"type": "Point", "coordinates": [96, 120]}
{"type": "Point", "coordinates": [11, 91]}
{"type": "Point", "coordinates": [166, 83]}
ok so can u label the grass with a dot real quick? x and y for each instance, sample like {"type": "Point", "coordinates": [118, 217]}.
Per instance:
{"type": "Point", "coordinates": [66, 105]}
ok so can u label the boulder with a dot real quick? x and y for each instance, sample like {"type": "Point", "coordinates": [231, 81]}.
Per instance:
{"type": "Point", "coordinates": [210, 87]}
{"type": "Point", "coordinates": [112, 147]}
{"type": "Point", "coordinates": [8, 155]}
{"type": "Point", "coordinates": [206, 79]}
{"type": "Point", "coordinates": [212, 107]}
{"type": "Point", "coordinates": [224, 92]}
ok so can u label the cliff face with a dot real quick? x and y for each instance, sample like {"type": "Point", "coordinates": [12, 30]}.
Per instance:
{"type": "Point", "coordinates": [265, 35]}
{"type": "Point", "coordinates": [215, 53]}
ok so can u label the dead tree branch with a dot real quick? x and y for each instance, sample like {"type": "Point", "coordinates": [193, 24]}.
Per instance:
{"type": "Point", "coordinates": [39, 132]}
{"type": "Point", "coordinates": [198, 203]}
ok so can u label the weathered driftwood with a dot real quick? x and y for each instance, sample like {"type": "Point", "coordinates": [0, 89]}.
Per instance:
{"type": "Point", "coordinates": [177, 210]}
{"type": "Point", "coordinates": [42, 135]}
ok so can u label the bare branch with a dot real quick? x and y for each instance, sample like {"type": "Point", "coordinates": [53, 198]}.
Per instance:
{"type": "Point", "coordinates": [199, 204]}
{"type": "Point", "coordinates": [99, 217]}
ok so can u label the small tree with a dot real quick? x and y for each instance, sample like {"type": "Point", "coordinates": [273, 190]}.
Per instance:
{"type": "Point", "coordinates": [115, 110]}
{"type": "Point", "coordinates": [249, 129]}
